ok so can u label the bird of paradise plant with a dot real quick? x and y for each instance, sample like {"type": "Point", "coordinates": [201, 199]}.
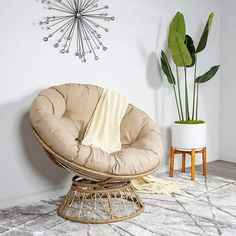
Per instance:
{"type": "Point", "coordinates": [184, 55]}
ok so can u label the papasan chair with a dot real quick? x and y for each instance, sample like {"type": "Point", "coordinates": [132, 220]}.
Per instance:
{"type": "Point", "coordinates": [101, 190]}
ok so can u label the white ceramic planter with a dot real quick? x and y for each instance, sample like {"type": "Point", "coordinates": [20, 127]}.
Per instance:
{"type": "Point", "coordinates": [188, 136]}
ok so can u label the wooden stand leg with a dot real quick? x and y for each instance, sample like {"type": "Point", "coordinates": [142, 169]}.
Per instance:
{"type": "Point", "coordinates": [183, 162]}
{"type": "Point", "coordinates": [172, 156]}
{"type": "Point", "coordinates": [204, 161]}
{"type": "Point", "coordinates": [193, 164]}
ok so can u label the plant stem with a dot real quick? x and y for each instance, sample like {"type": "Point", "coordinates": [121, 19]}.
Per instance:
{"type": "Point", "coordinates": [194, 89]}
{"type": "Point", "coordinates": [197, 101]}
{"type": "Point", "coordinates": [176, 100]}
{"type": "Point", "coordinates": [186, 95]}
{"type": "Point", "coordinates": [180, 100]}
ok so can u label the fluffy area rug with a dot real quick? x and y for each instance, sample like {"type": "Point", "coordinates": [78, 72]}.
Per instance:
{"type": "Point", "coordinates": [206, 207]}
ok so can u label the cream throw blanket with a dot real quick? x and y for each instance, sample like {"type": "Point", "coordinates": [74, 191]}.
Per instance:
{"type": "Point", "coordinates": [103, 131]}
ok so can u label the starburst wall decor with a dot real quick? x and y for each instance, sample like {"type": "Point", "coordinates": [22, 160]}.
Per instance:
{"type": "Point", "coordinates": [76, 21]}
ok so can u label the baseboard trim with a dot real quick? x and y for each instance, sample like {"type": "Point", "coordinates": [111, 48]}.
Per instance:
{"type": "Point", "coordinates": [44, 195]}
{"type": "Point", "coordinates": [225, 158]}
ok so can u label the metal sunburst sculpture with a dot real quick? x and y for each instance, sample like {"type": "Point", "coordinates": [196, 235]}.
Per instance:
{"type": "Point", "coordinates": [77, 20]}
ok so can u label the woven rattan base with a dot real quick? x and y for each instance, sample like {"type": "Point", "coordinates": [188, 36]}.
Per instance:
{"type": "Point", "coordinates": [100, 202]}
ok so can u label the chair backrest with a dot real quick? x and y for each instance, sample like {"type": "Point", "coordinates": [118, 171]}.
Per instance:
{"type": "Point", "coordinates": [74, 101]}
{"type": "Point", "coordinates": [80, 99]}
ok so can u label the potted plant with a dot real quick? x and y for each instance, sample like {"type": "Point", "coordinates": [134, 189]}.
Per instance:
{"type": "Point", "coordinates": [188, 132]}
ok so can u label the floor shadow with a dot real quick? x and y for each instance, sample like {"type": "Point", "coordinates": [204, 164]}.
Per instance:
{"type": "Point", "coordinates": [20, 146]}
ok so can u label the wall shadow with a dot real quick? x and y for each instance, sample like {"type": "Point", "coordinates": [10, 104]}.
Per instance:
{"type": "Point", "coordinates": [37, 156]}
{"type": "Point", "coordinates": [17, 139]}
{"type": "Point", "coordinates": [156, 82]}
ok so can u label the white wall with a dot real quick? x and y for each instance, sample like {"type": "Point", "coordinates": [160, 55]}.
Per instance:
{"type": "Point", "coordinates": [228, 82]}
{"type": "Point", "coordinates": [27, 65]}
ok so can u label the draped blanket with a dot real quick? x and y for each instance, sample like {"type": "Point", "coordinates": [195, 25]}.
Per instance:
{"type": "Point", "coordinates": [103, 130]}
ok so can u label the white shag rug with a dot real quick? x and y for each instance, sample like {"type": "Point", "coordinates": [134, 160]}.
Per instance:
{"type": "Point", "coordinates": [206, 207]}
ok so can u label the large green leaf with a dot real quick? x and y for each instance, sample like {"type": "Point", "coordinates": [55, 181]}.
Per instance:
{"type": "Point", "coordinates": [179, 51]}
{"type": "Point", "coordinates": [203, 40]}
{"type": "Point", "coordinates": [177, 25]}
{"type": "Point", "coordinates": [190, 45]}
{"type": "Point", "coordinates": [166, 68]}
{"type": "Point", "coordinates": [208, 75]}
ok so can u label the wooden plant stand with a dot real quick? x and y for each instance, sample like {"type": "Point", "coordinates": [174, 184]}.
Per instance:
{"type": "Point", "coordinates": [192, 153]}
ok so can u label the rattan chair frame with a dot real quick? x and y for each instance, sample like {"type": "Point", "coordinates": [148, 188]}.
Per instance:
{"type": "Point", "coordinates": [100, 190]}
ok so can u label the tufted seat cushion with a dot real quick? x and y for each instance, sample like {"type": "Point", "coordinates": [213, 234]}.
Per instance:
{"type": "Point", "coordinates": [60, 115]}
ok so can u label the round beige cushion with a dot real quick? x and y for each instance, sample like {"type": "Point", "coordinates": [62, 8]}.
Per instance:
{"type": "Point", "coordinates": [60, 115]}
